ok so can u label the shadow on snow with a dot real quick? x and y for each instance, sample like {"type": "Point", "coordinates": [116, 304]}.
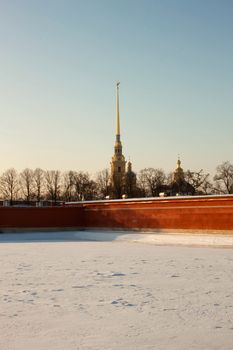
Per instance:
{"type": "Point", "coordinates": [62, 236]}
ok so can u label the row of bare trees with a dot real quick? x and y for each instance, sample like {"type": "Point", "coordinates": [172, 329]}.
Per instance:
{"type": "Point", "coordinates": [54, 185]}
{"type": "Point", "coordinates": [47, 185]}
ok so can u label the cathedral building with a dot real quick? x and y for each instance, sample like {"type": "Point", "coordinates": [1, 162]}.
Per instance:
{"type": "Point", "coordinates": [122, 180]}
{"type": "Point", "coordinates": [130, 182]}
{"type": "Point", "coordinates": [179, 185]}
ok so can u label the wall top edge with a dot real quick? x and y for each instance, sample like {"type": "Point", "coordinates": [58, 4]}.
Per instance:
{"type": "Point", "coordinates": [153, 199]}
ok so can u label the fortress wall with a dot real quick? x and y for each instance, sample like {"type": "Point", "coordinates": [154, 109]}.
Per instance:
{"type": "Point", "coordinates": [191, 213]}
{"type": "Point", "coordinates": [41, 218]}
{"type": "Point", "coordinates": [209, 213]}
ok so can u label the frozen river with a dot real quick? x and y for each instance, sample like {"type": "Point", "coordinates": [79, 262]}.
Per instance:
{"type": "Point", "coordinates": [115, 291]}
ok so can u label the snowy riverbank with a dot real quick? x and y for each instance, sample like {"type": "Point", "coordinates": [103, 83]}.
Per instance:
{"type": "Point", "coordinates": [114, 294]}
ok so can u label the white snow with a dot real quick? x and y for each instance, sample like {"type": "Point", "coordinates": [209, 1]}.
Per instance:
{"type": "Point", "coordinates": [58, 291]}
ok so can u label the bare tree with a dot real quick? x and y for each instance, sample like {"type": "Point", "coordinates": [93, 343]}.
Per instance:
{"type": "Point", "coordinates": [53, 184]}
{"type": "Point", "coordinates": [207, 187]}
{"type": "Point", "coordinates": [91, 191]}
{"type": "Point", "coordinates": [142, 184]}
{"type": "Point", "coordinates": [170, 178]}
{"type": "Point", "coordinates": [26, 179]}
{"type": "Point", "coordinates": [224, 177]}
{"type": "Point", "coordinates": [39, 179]}
{"type": "Point", "coordinates": [84, 187]}
{"type": "Point", "coordinates": [199, 180]}
{"type": "Point", "coordinates": [68, 186]}
{"type": "Point", "coordinates": [102, 181]}
{"type": "Point", "coordinates": [9, 184]}
{"type": "Point", "coordinates": [151, 180]}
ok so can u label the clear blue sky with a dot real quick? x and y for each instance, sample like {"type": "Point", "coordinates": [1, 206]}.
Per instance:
{"type": "Point", "coordinates": [59, 62]}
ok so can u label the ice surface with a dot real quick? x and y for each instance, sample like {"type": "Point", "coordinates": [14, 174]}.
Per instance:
{"type": "Point", "coordinates": [67, 293]}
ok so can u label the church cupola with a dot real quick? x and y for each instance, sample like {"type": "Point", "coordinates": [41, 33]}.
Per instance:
{"type": "Point", "coordinates": [129, 166]}
{"type": "Point", "coordinates": [178, 175]}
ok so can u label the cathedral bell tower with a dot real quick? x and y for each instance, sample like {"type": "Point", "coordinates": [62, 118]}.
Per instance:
{"type": "Point", "coordinates": [118, 160]}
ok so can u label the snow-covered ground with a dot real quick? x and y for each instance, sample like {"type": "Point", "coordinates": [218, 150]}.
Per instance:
{"type": "Point", "coordinates": [115, 291]}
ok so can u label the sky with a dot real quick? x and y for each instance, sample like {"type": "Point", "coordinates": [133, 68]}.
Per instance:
{"type": "Point", "coordinates": [59, 64]}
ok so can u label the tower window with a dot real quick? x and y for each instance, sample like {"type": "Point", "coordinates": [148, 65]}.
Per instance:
{"type": "Point", "coordinates": [119, 169]}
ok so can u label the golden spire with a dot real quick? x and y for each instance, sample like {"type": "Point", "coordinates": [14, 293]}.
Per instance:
{"type": "Point", "coordinates": [117, 113]}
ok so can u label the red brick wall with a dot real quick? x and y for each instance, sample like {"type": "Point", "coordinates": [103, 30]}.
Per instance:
{"type": "Point", "coordinates": [195, 213]}
{"type": "Point", "coordinates": [47, 217]}
{"type": "Point", "coordinates": [209, 213]}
